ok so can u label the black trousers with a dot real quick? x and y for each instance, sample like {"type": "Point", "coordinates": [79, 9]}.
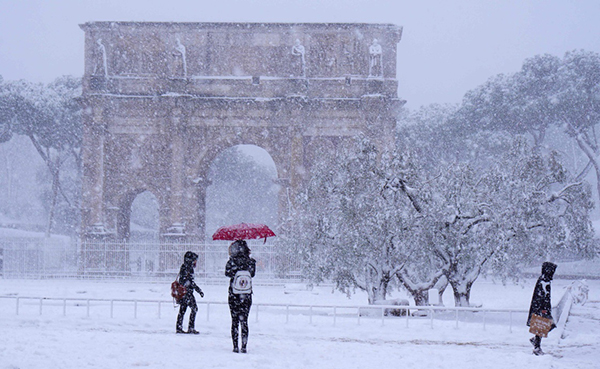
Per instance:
{"type": "Point", "coordinates": [239, 307]}
{"type": "Point", "coordinates": [187, 300]}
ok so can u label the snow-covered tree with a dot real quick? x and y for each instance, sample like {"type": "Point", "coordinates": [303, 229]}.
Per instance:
{"type": "Point", "coordinates": [5, 113]}
{"type": "Point", "coordinates": [350, 223]}
{"type": "Point", "coordinates": [495, 218]}
{"type": "Point", "coordinates": [489, 201]}
{"type": "Point", "coordinates": [547, 91]}
{"type": "Point", "coordinates": [578, 104]}
{"type": "Point", "coordinates": [49, 116]}
{"type": "Point", "coordinates": [520, 103]}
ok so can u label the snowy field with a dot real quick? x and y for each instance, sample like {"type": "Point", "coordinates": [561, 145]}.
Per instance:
{"type": "Point", "coordinates": [73, 334]}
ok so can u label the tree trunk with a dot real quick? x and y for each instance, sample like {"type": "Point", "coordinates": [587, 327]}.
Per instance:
{"type": "Point", "coordinates": [419, 291]}
{"type": "Point", "coordinates": [421, 297]}
{"type": "Point", "coordinates": [597, 170]}
{"type": "Point", "coordinates": [54, 169]}
{"type": "Point", "coordinates": [52, 203]}
{"type": "Point", "coordinates": [377, 293]}
{"type": "Point", "coordinates": [441, 285]}
{"type": "Point", "coordinates": [591, 154]}
{"type": "Point", "coordinates": [377, 285]}
{"type": "Point", "coordinates": [462, 292]}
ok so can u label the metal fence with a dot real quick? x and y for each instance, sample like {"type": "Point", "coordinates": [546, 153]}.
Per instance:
{"type": "Point", "coordinates": [428, 316]}
{"type": "Point", "coordinates": [420, 316]}
{"type": "Point", "coordinates": [28, 257]}
{"type": "Point", "coordinates": [64, 258]}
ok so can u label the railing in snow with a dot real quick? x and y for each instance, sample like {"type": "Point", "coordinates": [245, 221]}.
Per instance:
{"type": "Point", "coordinates": [576, 293]}
{"type": "Point", "coordinates": [333, 311]}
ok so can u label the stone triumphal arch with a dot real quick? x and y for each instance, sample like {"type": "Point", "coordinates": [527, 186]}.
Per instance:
{"type": "Point", "coordinates": [163, 99]}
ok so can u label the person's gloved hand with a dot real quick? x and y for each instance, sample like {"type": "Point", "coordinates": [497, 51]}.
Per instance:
{"type": "Point", "coordinates": [201, 294]}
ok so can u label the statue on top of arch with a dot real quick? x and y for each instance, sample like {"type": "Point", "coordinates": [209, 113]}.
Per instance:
{"type": "Point", "coordinates": [375, 65]}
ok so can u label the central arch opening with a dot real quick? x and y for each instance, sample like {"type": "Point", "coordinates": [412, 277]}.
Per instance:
{"type": "Point", "coordinates": [242, 189]}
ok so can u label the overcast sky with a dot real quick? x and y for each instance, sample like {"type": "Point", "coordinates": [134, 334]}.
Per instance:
{"type": "Point", "coordinates": [447, 48]}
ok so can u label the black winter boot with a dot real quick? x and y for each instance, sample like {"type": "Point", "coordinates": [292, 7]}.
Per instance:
{"type": "Point", "coordinates": [235, 336]}
{"type": "Point", "coordinates": [244, 343]}
{"type": "Point", "coordinates": [536, 341]}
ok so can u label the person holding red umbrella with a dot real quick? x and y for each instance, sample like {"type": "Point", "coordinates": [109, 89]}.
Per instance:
{"type": "Point", "coordinates": [240, 268]}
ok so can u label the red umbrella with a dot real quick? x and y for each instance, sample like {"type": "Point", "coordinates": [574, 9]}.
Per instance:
{"type": "Point", "coordinates": [243, 231]}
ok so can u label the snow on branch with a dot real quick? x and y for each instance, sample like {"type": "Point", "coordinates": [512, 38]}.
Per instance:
{"type": "Point", "coordinates": [399, 185]}
{"type": "Point", "coordinates": [560, 194]}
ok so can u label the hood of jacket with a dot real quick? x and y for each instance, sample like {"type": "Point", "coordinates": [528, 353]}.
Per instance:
{"type": "Point", "coordinates": [190, 257]}
{"type": "Point", "coordinates": [548, 270]}
{"type": "Point", "coordinates": [239, 249]}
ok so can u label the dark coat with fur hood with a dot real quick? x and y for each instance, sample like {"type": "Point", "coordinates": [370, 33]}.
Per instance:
{"type": "Point", "coordinates": [541, 303]}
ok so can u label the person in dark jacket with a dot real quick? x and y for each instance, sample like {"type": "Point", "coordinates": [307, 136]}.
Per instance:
{"type": "Point", "coordinates": [186, 279]}
{"type": "Point", "coordinates": [239, 303]}
{"type": "Point", "coordinates": [541, 303]}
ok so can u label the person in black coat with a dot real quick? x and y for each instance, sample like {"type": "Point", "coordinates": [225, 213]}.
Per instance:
{"type": "Point", "coordinates": [541, 303]}
{"type": "Point", "coordinates": [239, 303]}
{"type": "Point", "coordinates": [186, 279]}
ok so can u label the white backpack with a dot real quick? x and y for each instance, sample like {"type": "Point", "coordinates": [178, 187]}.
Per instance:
{"type": "Point", "coordinates": [242, 283]}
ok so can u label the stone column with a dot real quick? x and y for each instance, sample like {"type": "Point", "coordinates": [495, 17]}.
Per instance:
{"type": "Point", "coordinates": [296, 160]}
{"type": "Point", "coordinates": [93, 222]}
{"type": "Point", "coordinates": [201, 187]}
{"type": "Point", "coordinates": [297, 171]}
{"type": "Point", "coordinates": [285, 200]}
{"type": "Point", "coordinates": [93, 226]}
{"type": "Point", "coordinates": [176, 231]}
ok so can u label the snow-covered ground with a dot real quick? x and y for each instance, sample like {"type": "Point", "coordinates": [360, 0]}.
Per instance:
{"type": "Point", "coordinates": [278, 340]}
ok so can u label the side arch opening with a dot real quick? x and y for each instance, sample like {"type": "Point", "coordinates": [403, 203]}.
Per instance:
{"type": "Point", "coordinates": [138, 230]}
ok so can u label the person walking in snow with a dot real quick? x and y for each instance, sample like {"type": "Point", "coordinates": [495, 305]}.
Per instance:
{"type": "Point", "coordinates": [240, 268]}
{"type": "Point", "coordinates": [186, 279]}
{"type": "Point", "coordinates": [541, 303]}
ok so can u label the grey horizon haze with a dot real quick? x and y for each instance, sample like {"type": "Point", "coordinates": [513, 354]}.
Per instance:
{"type": "Point", "coordinates": [447, 47]}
